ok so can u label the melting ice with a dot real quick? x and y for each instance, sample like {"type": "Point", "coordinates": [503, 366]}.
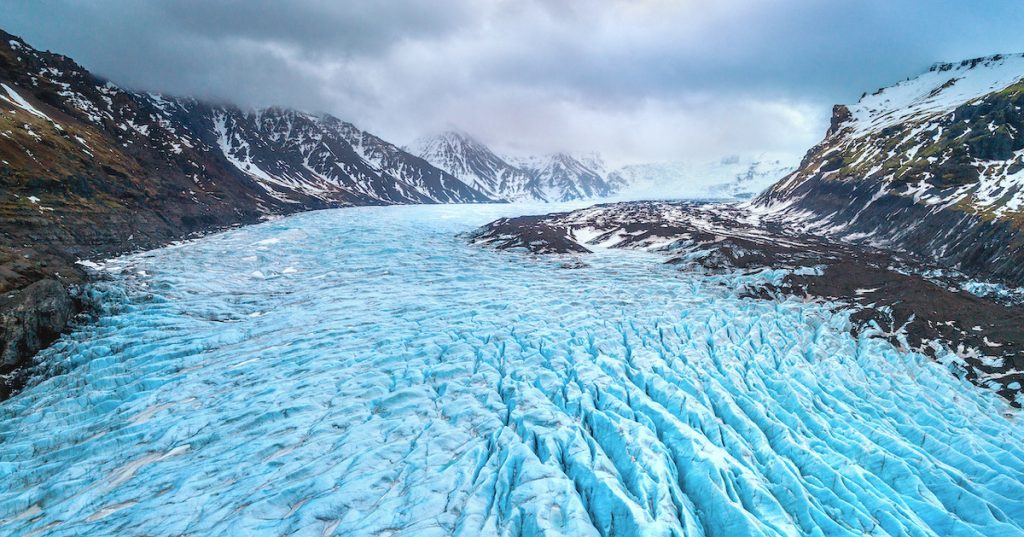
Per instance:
{"type": "Point", "coordinates": [366, 372]}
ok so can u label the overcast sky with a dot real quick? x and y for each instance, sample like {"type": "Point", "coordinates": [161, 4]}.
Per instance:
{"type": "Point", "coordinates": [642, 80]}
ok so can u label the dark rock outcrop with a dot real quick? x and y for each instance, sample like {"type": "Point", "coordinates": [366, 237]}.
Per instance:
{"type": "Point", "coordinates": [30, 319]}
{"type": "Point", "coordinates": [534, 233]}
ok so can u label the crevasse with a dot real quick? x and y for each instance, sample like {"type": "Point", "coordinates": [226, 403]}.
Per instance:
{"type": "Point", "coordinates": [367, 372]}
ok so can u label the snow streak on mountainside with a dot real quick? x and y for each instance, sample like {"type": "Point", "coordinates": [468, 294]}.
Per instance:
{"type": "Point", "coordinates": [70, 139]}
{"type": "Point", "coordinates": [729, 177]}
{"type": "Point", "coordinates": [288, 379]}
{"type": "Point", "coordinates": [476, 165]}
{"type": "Point", "coordinates": [933, 165]}
{"type": "Point", "coordinates": [555, 178]}
{"type": "Point", "coordinates": [563, 177]}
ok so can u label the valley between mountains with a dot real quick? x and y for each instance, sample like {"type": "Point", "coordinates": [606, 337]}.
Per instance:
{"type": "Point", "coordinates": [219, 321]}
{"type": "Point", "coordinates": [91, 170]}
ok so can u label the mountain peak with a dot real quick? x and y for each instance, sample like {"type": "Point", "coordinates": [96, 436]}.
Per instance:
{"type": "Point", "coordinates": [559, 176]}
{"type": "Point", "coordinates": [562, 176]}
{"type": "Point", "coordinates": [937, 91]}
{"type": "Point", "coordinates": [933, 165]}
{"type": "Point", "coordinates": [455, 135]}
{"type": "Point", "coordinates": [448, 141]}
{"type": "Point", "coordinates": [983, 61]}
{"type": "Point", "coordinates": [475, 164]}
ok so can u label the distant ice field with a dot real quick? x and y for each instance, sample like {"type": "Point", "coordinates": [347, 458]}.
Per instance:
{"type": "Point", "coordinates": [366, 372]}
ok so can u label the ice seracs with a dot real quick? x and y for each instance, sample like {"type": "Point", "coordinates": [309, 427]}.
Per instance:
{"type": "Point", "coordinates": [940, 315]}
{"type": "Point", "coordinates": [455, 390]}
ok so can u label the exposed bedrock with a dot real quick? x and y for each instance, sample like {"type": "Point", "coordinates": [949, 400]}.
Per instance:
{"type": "Point", "coordinates": [981, 247]}
{"type": "Point", "coordinates": [30, 319]}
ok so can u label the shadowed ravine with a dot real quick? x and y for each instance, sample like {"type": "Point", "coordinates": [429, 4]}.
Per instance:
{"type": "Point", "coordinates": [368, 372]}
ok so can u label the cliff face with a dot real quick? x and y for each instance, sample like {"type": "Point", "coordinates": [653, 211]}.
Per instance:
{"type": "Point", "coordinates": [88, 169]}
{"type": "Point", "coordinates": [933, 166]}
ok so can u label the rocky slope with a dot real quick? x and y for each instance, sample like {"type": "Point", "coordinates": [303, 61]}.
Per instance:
{"type": "Point", "coordinates": [933, 166]}
{"type": "Point", "coordinates": [90, 169]}
{"type": "Point", "coordinates": [296, 156]}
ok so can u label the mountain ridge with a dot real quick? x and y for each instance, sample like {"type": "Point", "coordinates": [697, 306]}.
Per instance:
{"type": "Point", "coordinates": [929, 166]}
{"type": "Point", "coordinates": [476, 164]}
{"type": "Point", "coordinates": [554, 177]}
{"type": "Point", "coordinates": [563, 176]}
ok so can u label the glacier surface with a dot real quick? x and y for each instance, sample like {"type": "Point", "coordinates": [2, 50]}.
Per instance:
{"type": "Point", "coordinates": [367, 372]}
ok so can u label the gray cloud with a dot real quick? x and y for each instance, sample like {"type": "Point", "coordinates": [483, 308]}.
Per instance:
{"type": "Point", "coordinates": [638, 80]}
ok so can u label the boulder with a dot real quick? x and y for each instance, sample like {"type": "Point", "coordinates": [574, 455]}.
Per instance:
{"type": "Point", "coordinates": [30, 319]}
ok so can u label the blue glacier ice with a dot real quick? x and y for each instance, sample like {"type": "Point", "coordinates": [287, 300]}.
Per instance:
{"type": "Point", "coordinates": [367, 372]}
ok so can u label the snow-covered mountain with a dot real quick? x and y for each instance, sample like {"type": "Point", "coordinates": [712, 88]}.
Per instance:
{"type": "Point", "coordinates": [729, 177]}
{"type": "Point", "coordinates": [555, 177]}
{"type": "Point", "coordinates": [324, 157]}
{"type": "Point", "coordinates": [110, 163]}
{"type": "Point", "coordinates": [291, 158]}
{"type": "Point", "coordinates": [476, 165]}
{"type": "Point", "coordinates": [567, 177]}
{"type": "Point", "coordinates": [564, 177]}
{"type": "Point", "coordinates": [933, 165]}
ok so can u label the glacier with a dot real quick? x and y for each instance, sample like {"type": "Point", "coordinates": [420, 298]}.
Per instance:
{"type": "Point", "coordinates": [366, 371]}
